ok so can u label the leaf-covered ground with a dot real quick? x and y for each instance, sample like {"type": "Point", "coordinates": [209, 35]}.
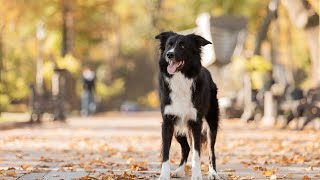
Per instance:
{"type": "Point", "coordinates": [127, 146]}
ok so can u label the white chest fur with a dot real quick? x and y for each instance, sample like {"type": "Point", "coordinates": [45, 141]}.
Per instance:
{"type": "Point", "coordinates": [181, 99]}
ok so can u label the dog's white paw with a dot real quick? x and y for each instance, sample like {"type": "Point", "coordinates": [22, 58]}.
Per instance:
{"type": "Point", "coordinates": [179, 172]}
{"type": "Point", "coordinates": [196, 174]}
{"type": "Point", "coordinates": [196, 177]}
{"type": "Point", "coordinates": [212, 174]}
{"type": "Point", "coordinates": [165, 171]}
{"type": "Point", "coordinates": [164, 178]}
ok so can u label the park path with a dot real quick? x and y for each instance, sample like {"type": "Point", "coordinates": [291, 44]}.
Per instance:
{"type": "Point", "coordinates": [127, 146]}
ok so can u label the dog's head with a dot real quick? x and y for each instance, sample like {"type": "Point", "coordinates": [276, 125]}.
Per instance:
{"type": "Point", "coordinates": [180, 51]}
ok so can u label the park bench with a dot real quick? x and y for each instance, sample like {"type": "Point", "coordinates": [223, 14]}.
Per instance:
{"type": "Point", "coordinates": [307, 107]}
{"type": "Point", "coordinates": [46, 103]}
{"type": "Point", "coordinates": [54, 102]}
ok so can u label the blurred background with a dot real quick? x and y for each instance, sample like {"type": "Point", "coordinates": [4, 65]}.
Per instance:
{"type": "Point", "coordinates": [79, 57]}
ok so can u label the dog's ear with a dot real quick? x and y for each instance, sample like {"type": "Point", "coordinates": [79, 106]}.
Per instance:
{"type": "Point", "coordinates": [200, 40]}
{"type": "Point", "coordinates": [163, 37]}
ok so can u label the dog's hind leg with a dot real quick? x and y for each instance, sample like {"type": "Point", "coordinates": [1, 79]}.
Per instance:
{"type": "Point", "coordinates": [185, 149]}
{"type": "Point", "coordinates": [212, 118]}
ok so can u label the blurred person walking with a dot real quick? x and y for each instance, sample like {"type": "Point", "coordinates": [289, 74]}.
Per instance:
{"type": "Point", "coordinates": [88, 105]}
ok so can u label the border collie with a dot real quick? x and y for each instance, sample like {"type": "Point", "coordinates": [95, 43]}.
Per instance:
{"type": "Point", "coordinates": [189, 104]}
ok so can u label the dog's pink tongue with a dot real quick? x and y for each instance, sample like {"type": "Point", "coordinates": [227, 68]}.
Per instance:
{"type": "Point", "coordinates": [171, 68]}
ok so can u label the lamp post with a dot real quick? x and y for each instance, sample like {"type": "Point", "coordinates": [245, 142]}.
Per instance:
{"type": "Point", "coordinates": [39, 74]}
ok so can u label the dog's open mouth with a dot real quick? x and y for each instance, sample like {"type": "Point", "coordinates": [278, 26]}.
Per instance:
{"type": "Point", "coordinates": [174, 66]}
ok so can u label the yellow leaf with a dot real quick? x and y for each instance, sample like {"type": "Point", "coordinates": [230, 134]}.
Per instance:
{"type": "Point", "coordinates": [204, 167]}
{"type": "Point", "coordinates": [125, 156]}
{"type": "Point", "coordinates": [267, 173]}
{"type": "Point", "coordinates": [25, 166]}
{"type": "Point", "coordinates": [88, 169]}
{"type": "Point", "coordinates": [130, 148]}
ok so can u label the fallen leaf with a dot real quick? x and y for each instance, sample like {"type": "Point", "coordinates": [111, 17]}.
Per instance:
{"type": "Point", "coordinates": [246, 178]}
{"type": "Point", "coordinates": [43, 166]}
{"type": "Point", "coordinates": [88, 169]}
{"type": "Point", "coordinates": [45, 159]}
{"type": "Point", "coordinates": [204, 167]}
{"type": "Point", "coordinates": [68, 165]}
{"type": "Point", "coordinates": [11, 173]}
{"type": "Point", "coordinates": [130, 148]}
{"type": "Point", "coordinates": [25, 166]}
{"type": "Point", "coordinates": [232, 176]}
{"type": "Point", "coordinates": [310, 168]}
{"type": "Point", "coordinates": [187, 169]}
{"type": "Point", "coordinates": [37, 170]}
{"type": "Point", "coordinates": [305, 177]}
{"type": "Point", "coordinates": [267, 173]}
{"type": "Point", "coordinates": [139, 166]}
{"type": "Point", "coordinates": [259, 168]}
{"type": "Point", "coordinates": [20, 156]}
{"type": "Point", "coordinates": [289, 176]}
{"type": "Point", "coordinates": [125, 156]}
{"type": "Point", "coordinates": [229, 170]}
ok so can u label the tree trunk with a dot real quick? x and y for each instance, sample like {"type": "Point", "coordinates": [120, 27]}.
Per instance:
{"type": "Point", "coordinates": [272, 13]}
{"type": "Point", "coordinates": [304, 16]}
{"type": "Point", "coordinates": [1, 56]}
{"type": "Point", "coordinates": [1, 62]}
{"type": "Point", "coordinates": [67, 27]}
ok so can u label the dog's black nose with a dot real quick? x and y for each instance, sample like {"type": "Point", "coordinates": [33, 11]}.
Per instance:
{"type": "Point", "coordinates": [170, 55]}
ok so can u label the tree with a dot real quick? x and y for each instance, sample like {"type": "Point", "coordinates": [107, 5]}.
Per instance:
{"type": "Point", "coordinates": [67, 26]}
{"type": "Point", "coordinates": [303, 16]}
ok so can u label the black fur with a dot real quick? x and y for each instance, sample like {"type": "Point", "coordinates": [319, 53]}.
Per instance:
{"type": "Point", "coordinates": [204, 93]}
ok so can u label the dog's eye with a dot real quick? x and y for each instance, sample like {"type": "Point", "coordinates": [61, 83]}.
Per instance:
{"type": "Point", "coordinates": [170, 44]}
{"type": "Point", "coordinates": [181, 45]}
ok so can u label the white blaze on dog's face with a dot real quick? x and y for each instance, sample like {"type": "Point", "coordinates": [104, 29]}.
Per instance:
{"type": "Point", "coordinates": [173, 48]}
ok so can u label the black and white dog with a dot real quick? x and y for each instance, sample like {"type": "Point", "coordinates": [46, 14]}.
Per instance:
{"type": "Point", "coordinates": [189, 103]}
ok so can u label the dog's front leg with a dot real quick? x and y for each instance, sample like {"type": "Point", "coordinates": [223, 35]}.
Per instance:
{"type": "Point", "coordinates": [196, 143]}
{"type": "Point", "coordinates": [167, 133]}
